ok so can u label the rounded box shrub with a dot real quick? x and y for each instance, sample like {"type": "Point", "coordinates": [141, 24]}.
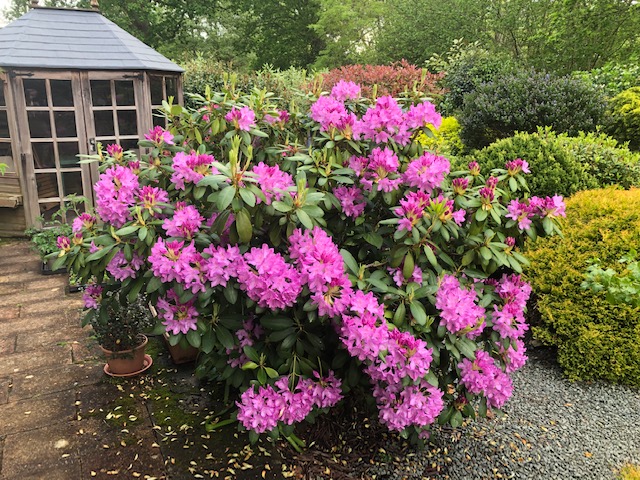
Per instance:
{"type": "Point", "coordinates": [624, 117]}
{"type": "Point", "coordinates": [564, 165]}
{"type": "Point", "coordinates": [595, 339]}
{"type": "Point", "coordinates": [523, 100]}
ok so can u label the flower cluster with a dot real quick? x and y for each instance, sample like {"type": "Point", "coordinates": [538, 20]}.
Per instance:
{"type": "Point", "coordinates": [380, 169]}
{"type": "Point", "coordinates": [344, 90]}
{"type": "Point", "coordinates": [242, 118]}
{"type": "Point", "coordinates": [92, 296]}
{"type": "Point", "coordinates": [159, 136]}
{"type": "Point", "coordinates": [260, 410]}
{"type": "Point", "coordinates": [84, 221]}
{"type": "Point", "coordinates": [177, 317]}
{"type": "Point", "coordinates": [351, 200]}
{"type": "Point", "coordinates": [508, 319]}
{"type": "Point", "coordinates": [191, 168]}
{"type": "Point", "coordinates": [121, 268]}
{"type": "Point", "coordinates": [426, 172]}
{"type": "Point", "coordinates": [247, 336]}
{"type": "Point", "coordinates": [384, 122]}
{"type": "Point", "coordinates": [151, 199]}
{"type": "Point", "coordinates": [332, 114]}
{"type": "Point", "coordinates": [514, 167]}
{"type": "Point", "coordinates": [484, 376]}
{"type": "Point", "coordinates": [523, 212]}
{"type": "Point", "coordinates": [185, 223]}
{"type": "Point", "coordinates": [115, 193]}
{"type": "Point", "coordinates": [458, 309]}
{"type": "Point", "coordinates": [272, 181]}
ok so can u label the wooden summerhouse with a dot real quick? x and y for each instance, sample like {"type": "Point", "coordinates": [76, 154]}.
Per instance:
{"type": "Point", "coordinates": [70, 79]}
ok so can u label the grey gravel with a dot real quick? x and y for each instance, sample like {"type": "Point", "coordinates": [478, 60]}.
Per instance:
{"type": "Point", "coordinates": [551, 429]}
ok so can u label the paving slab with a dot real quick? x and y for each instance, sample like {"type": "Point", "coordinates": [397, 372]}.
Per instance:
{"type": "Point", "coordinates": [22, 416]}
{"type": "Point", "coordinates": [11, 287]}
{"type": "Point", "coordinates": [47, 380]}
{"type": "Point", "coordinates": [33, 453]}
{"type": "Point", "coordinates": [9, 313]}
{"type": "Point", "coordinates": [25, 362]}
{"type": "Point", "coordinates": [52, 308]}
{"type": "Point", "coordinates": [7, 344]}
{"type": "Point", "coordinates": [5, 385]}
{"type": "Point", "coordinates": [26, 297]}
{"type": "Point", "coordinates": [28, 340]}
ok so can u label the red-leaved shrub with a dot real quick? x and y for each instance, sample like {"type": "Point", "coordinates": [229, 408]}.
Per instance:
{"type": "Point", "coordinates": [391, 79]}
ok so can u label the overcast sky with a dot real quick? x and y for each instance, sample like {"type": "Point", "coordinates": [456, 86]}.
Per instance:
{"type": "Point", "coordinates": [3, 5]}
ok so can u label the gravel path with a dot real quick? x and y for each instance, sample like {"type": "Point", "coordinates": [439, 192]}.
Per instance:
{"type": "Point", "coordinates": [552, 429]}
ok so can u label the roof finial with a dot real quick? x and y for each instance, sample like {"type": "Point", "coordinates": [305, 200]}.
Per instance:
{"type": "Point", "coordinates": [94, 5]}
{"type": "Point", "coordinates": [34, 3]}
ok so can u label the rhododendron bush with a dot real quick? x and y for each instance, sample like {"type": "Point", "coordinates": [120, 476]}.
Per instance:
{"type": "Point", "coordinates": [313, 255]}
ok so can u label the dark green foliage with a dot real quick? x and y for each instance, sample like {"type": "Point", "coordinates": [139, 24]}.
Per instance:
{"type": "Point", "coordinates": [525, 99]}
{"type": "Point", "coordinates": [465, 72]}
{"type": "Point", "coordinates": [624, 117]}
{"type": "Point", "coordinates": [564, 165]}
{"type": "Point", "coordinates": [595, 339]}
{"type": "Point", "coordinates": [44, 241]}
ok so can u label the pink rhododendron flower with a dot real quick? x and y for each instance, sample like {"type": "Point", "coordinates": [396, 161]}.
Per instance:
{"type": "Point", "coordinates": [172, 260]}
{"type": "Point", "coordinates": [458, 309]}
{"type": "Point", "coordinates": [63, 243]}
{"type": "Point", "coordinates": [272, 181]}
{"type": "Point", "coordinates": [413, 405]}
{"type": "Point", "coordinates": [426, 172]}
{"type": "Point", "coordinates": [551, 207]}
{"type": "Point", "coordinates": [345, 90]}
{"type": "Point", "coordinates": [242, 118]}
{"type": "Point", "coordinates": [514, 167]}
{"type": "Point", "coordinates": [460, 185]}
{"type": "Point", "coordinates": [514, 358]}
{"type": "Point", "coordinates": [521, 213]}
{"type": "Point", "coordinates": [178, 317]}
{"type": "Point", "coordinates": [384, 122]}
{"type": "Point", "coordinates": [351, 200]}
{"type": "Point", "coordinates": [268, 279]}
{"type": "Point", "coordinates": [191, 168]}
{"type": "Point", "coordinates": [483, 376]}
{"type": "Point", "coordinates": [121, 269]}
{"type": "Point", "coordinates": [92, 296]}
{"type": "Point", "coordinates": [151, 197]}
{"type": "Point", "coordinates": [331, 113]}
{"type": "Point", "coordinates": [114, 151]}
{"type": "Point", "coordinates": [382, 171]}
{"type": "Point", "coordinates": [422, 115]}
{"type": "Point", "coordinates": [407, 356]}
{"type": "Point", "coordinates": [159, 136]}
{"type": "Point", "coordinates": [222, 264]}
{"type": "Point", "coordinates": [411, 209]}
{"type": "Point", "coordinates": [247, 335]}
{"type": "Point", "coordinates": [474, 168]}
{"type": "Point", "coordinates": [185, 223]}
{"type": "Point", "coordinates": [85, 221]}
{"type": "Point", "coordinates": [116, 191]}
{"type": "Point", "coordinates": [398, 276]}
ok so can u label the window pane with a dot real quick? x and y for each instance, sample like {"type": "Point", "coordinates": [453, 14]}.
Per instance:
{"type": "Point", "coordinates": [124, 93]}
{"type": "Point", "coordinates": [4, 124]}
{"type": "Point", "coordinates": [43, 155]}
{"type": "Point", "coordinates": [47, 185]}
{"type": "Point", "coordinates": [127, 122]}
{"type": "Point", "coordinates": [172, 87]}
{"type": "Point", "coordinates": [5, 150]}
{"type": "Point", "coordinates": [131, 144]}
{"type": "Point", "coordinates": [161, 121]}
{"type": "Point", "coordinates": [65, 124]}
{"type": "Point", "coordinates": [39, 124]}
{"type": "Point", "coordinates": [48, 209]}
{"type": "Point", "coordinates": [68, 154]}
{"type": "Point", "coordinates": [104, 123]}
{"type": "Point", "coordinates": [72, 183]}
{"type": "Point", "coordinates": [61, 93]}
{"type": "Point", "coordinates": [35, 93]}
{"type": "Point", "coordinates": [101, 93]}
{"type": "Point", "coordinates": [156, 91]}
{"type": "Point", "coordinates": [3, 102]}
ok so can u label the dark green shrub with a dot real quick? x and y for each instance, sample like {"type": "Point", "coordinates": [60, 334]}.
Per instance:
{"type": "Point", "coordinates": [465, 72]}
{"type": "Point", "coordinates": [525, 99]}
{"type": "Point", "coordinates": [613, 78]}
{"type": "Point", "coordinates": [624, 117]}
{"type": "Point", "coordinates": [595, 339]}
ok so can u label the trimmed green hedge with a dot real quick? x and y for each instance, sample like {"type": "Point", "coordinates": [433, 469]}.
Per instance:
{"type": "Point", "coordinates": [624, 117]}
{"type": "Point", "coordinates": [595, 339]}
{"type": "Point", "coordinates": [564, 165]}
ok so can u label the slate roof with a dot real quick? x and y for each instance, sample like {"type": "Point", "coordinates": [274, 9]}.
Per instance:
{"type": "Point", "coordinates": [75, 40]}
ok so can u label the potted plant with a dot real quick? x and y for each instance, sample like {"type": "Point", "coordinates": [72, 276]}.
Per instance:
{"type": "Point", "coordinates": [119, 327]}
{"type": "Point", "coordinates": [45, 242]}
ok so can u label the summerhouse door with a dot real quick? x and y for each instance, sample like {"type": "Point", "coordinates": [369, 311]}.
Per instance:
{"type": "Point", "coordinates": [52, 134]}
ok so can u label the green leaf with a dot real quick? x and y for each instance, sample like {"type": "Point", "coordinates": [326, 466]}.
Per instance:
{"type": "Point", "coordinates": [305, 219]}
{"type": "Point", "coordinates": [349, 261]}
{"type": "Point", "coordinates": [194, 339]}
{"type": "Point", "coordinates": [248, 197]}
{"type": "Point", "coordinates": [418, 313]}
{"type": "Point", "coordinates": [126, 230]}
{"type": "Point", "coordinates": [513, 184]}
{"type": "Point", "coordinates": [276, 323]}
{"type": "Point", "coordinates": [243, 226]}
{"type": "Point", "coordinates": [271, 372]}
{"type": "Point", "coordinates": [154, 284]}
{"type": "Point", "coordinates": [99, 254]}
{"type": "Point", "coordinates": [374, 239]}
{"type": "Point", "coordinates": [281, 207]}
{"type": "Point", "coordinates": [481, 215]}
{"type": "Point", "coordinates": [249, 365]}
{"type": "Point", "coordinates": [225, 197]}
{"type": "Point", "coordinates": [224, 337]}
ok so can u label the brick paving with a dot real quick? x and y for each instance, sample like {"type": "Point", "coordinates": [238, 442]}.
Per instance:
{"type": "Point", "coordinates": [51, 384]}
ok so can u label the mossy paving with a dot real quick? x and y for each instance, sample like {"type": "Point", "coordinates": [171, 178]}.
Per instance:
{"type": "Point", "coordinates": [178, 408]}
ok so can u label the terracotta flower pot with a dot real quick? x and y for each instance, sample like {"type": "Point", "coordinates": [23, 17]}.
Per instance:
{"type": "Point", "coordinates": [181, 355]}
{"type": "Point", "coordinates": [127, 362]}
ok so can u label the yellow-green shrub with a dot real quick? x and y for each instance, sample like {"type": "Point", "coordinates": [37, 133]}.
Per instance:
{"type": "Point", "coordinates": [445, 140]}
{"type": "Point", "coordinates": [595, 339]}
{"type": "Point", "coordinates": [624, 117]}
